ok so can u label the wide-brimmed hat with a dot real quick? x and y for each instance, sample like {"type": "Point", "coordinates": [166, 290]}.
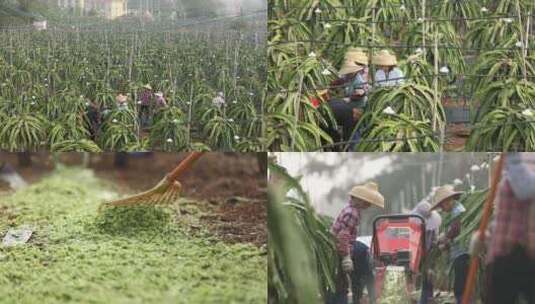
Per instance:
{"type": "Point", "coordinates": [350, 67]}
{"type": "Point", "coordinates": [121, 98]}
{"type": "Point", "coordinates": [443, 193]}
{"type": "Point", "coordinates": [384, 58]}
{"type": "Point", "coordinates": [368, 192]}
{"type": "Point", "coordinates": [356, 55]}
{"type": "Point", "coordinates": [147, 86]}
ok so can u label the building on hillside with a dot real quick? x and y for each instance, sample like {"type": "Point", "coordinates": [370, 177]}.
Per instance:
{"type": "Point", "coordinates": [110, 9]}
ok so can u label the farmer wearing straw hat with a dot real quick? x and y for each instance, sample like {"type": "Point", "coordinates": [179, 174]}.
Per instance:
{"type": "Point", "coordinates": [160, 100]}
{"type": "Point", "coordinates": [432, 223]}
{"type": "Point", "coordinates": [354, 80]}
{"type": "Point", "coordinates": [122, 102]}
{"type": "Point", "coordinates": [344, 230]}
{"type": "Point", "coordinates": [445, 199]}
{"type": "Point", "coordinates": [511, 248]}
{"type": "Point", "coordinates": [387, 74]}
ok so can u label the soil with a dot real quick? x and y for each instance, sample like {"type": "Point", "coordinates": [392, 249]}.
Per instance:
{"type": "Point", "coordinates": [230, 185]}
{"type": "Point", "coordinates": [457, 135]}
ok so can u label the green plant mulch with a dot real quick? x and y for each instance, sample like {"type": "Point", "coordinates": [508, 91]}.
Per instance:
{"type": "Point", "coordinates": [121, 255]}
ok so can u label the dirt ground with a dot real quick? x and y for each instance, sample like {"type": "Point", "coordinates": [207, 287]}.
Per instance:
{"type": "Point", "coordinates": [230, 185]}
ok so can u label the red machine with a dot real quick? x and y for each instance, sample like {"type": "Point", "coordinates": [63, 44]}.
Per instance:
{"type": "Point", "coordinates": [398, 240]}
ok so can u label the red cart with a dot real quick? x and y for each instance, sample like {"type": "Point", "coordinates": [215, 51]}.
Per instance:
{"type": "Point", "coordinates": [398, 240]}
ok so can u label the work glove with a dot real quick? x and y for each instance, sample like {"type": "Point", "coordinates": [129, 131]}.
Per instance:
{"type": "Point", "coordinates": [476, 243]}
{"type": "Point", "coordinates": [347, 264]}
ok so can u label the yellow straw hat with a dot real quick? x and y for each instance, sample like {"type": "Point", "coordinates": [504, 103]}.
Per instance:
{"type": "Point", "coordinates": [443, 193]}
{"type": "Point", "coordinates": [356, 55]}
{"type": "Point", "coordinates": [350, 67]}
{"type": "Point", "coordinates": [384, 58]}
{"type": "Point", "coordinates": [147, 86]}
{"type": "Point", "coordinates": [368, 192]}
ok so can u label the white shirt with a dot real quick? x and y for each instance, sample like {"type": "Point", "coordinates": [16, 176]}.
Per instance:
{"type": "Point", "coordinates": [394, 77]}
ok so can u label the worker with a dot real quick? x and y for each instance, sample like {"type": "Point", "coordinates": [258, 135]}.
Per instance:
{"type": "Point", "coordinates": [145, 101]}
{"type": "Point", "coordinates": [219, 100]}
{"type": "Point", "coordinates": [363, 276]}
{"type": "Point", "coordinates": [387, 74]}
{"type": "Point", "coordinates": [95, 119]}
{"type": "Point", "coordinates": [160, 100]}
{"type": "Point", "coordinates": [122, 102]}
{"type": "Point", "coordinates": [446, 199]}
{"type": "Point", "coordinates": [510, 254]}
{"type": "Point", "coordinates": [432, 223]}
{"type": "Point", "coordinates": [354, 80]}
{"type": "Point", "coordinates": [344, 230]}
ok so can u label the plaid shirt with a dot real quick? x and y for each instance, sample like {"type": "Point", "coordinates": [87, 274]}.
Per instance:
{"type": "Point", "coordinates": [514, 223]}
{"type": "Point", "coordinates": [344, 228]}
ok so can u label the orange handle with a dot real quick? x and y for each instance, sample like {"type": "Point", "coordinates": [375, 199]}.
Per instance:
{"type": "Point", "coordinates": [184, 165]}
{"type": "Point", "coordinates": [487, 211]}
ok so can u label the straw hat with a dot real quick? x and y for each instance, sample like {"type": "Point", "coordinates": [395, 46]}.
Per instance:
{"type": "Point", "coordinates": [147, 86]}
{"type": "Point", "coordinates": [443, 193]}
{"type": "Point", "coordinates": [384, 58]}
{"type": "Point", "coordinates": [368, 192]}
{"type": "Point", "coordinates": [121, 98]}
{"type": "Point", "coordinates": [350, 67]}
{"type": "Point", "coordinates": [159, 94]}
{"type": "Point", "coordinates": [356, 55]}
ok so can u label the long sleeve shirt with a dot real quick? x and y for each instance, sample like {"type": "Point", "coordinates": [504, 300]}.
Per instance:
{"type": "Point", "coordinates": [353, 82]}
{"type": "Point", "coordinates": [393, 78]}
{"type": "Point", "coordinates": [344, 228]}
{"type": "Point", "coordinates": [514, 220]}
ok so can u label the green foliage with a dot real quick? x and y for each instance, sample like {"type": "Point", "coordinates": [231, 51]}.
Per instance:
{"type": "Point", "coordinates": [301, 252]}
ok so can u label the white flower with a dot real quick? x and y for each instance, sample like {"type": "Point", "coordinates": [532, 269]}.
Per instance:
{"type": "Point", "coordinates": [457, 182]}
{"type": "Point", "coordinates": [317, 11]}
{"type": "Point", "coordinates": [484, 9]}
{"type": "Point", "coordinates": [231, 120]}
{"type": "Point", "coordinates": [236, 137]}
{"type": "Point", "coordinates": [46, 84]}
{"type": "Point", "coordinates": [237, 77]}
{"type": "Point", "coordinates": [33, 96]}
{"type": "Point", "coordinates": [175, 120]}
{"type": "Point", "coordinates": [114, 120]}
{"type": "Point", "coordinates": [518, 44]}
{"type": "Point", "coordinates": [234, 101]}
{"type": "Point", "coordinates": [81, 96]}
{"type": "Point", "coordinates": [402, 7]}
{"type": "Point", "coordinates": [312, 55]}
{"type": "Point", "coordinates": [251, 94]}
{"type": "Point", "coordinates": [527, 112]}
{"type": "Point", "coordinates": [444, 70]}
{"type": "Point", "coordinates": [32, 103]}
{"type": "Point", "coordinates": [507, 20]}
{"type": "Point", "coordinates": [327, 25]}
{"type": "Point", "coordinates": [169, 140]}
{"type": "Point", "coordinates": [188, 102]}
{"type": "Point", "coordinates": [389, 111]}
{"type": "Point", "coordinates": [472, 188]}
{"type": "Point", "coordinates": [139, 102]}
{"type": "Point", "coordinates": [326, 72]}
{"type": "Point", "coordinates": [87, 104]}
{"type": "Point", "coordinates": [420, 20]}
{"type": "Point", "coordinates": [475, 168]}
{"type": "Point", "coordinates": [419, 51]}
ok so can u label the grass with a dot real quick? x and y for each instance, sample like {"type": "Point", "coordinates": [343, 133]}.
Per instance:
{"type": "Point", "coordinates": [127, 255]}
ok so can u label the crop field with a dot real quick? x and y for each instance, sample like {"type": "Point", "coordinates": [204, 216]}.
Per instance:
{"type": "Point", "coordinates": [122, 255]}
{"type": "Point", "coordinates": [469, 74]}
{"type": "Point", "coordinates": [51, 82]}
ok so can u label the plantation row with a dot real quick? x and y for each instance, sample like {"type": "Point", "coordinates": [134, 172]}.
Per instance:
{"type": "Point", "coordinates": [478, 55]}
{"type": "Point", "coordinates": [52, 82]}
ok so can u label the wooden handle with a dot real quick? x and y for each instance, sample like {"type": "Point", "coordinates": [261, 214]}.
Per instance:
{"type": "Point", "coordinates": [184, 165]}
{"type": "Point", "coordinates": [487, 211]}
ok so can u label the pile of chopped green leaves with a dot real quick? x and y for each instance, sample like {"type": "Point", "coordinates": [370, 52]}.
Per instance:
{"type": "Point", "coordinates": [394, 287]}
{"type": "Point", "coordinates": [120, 255]}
